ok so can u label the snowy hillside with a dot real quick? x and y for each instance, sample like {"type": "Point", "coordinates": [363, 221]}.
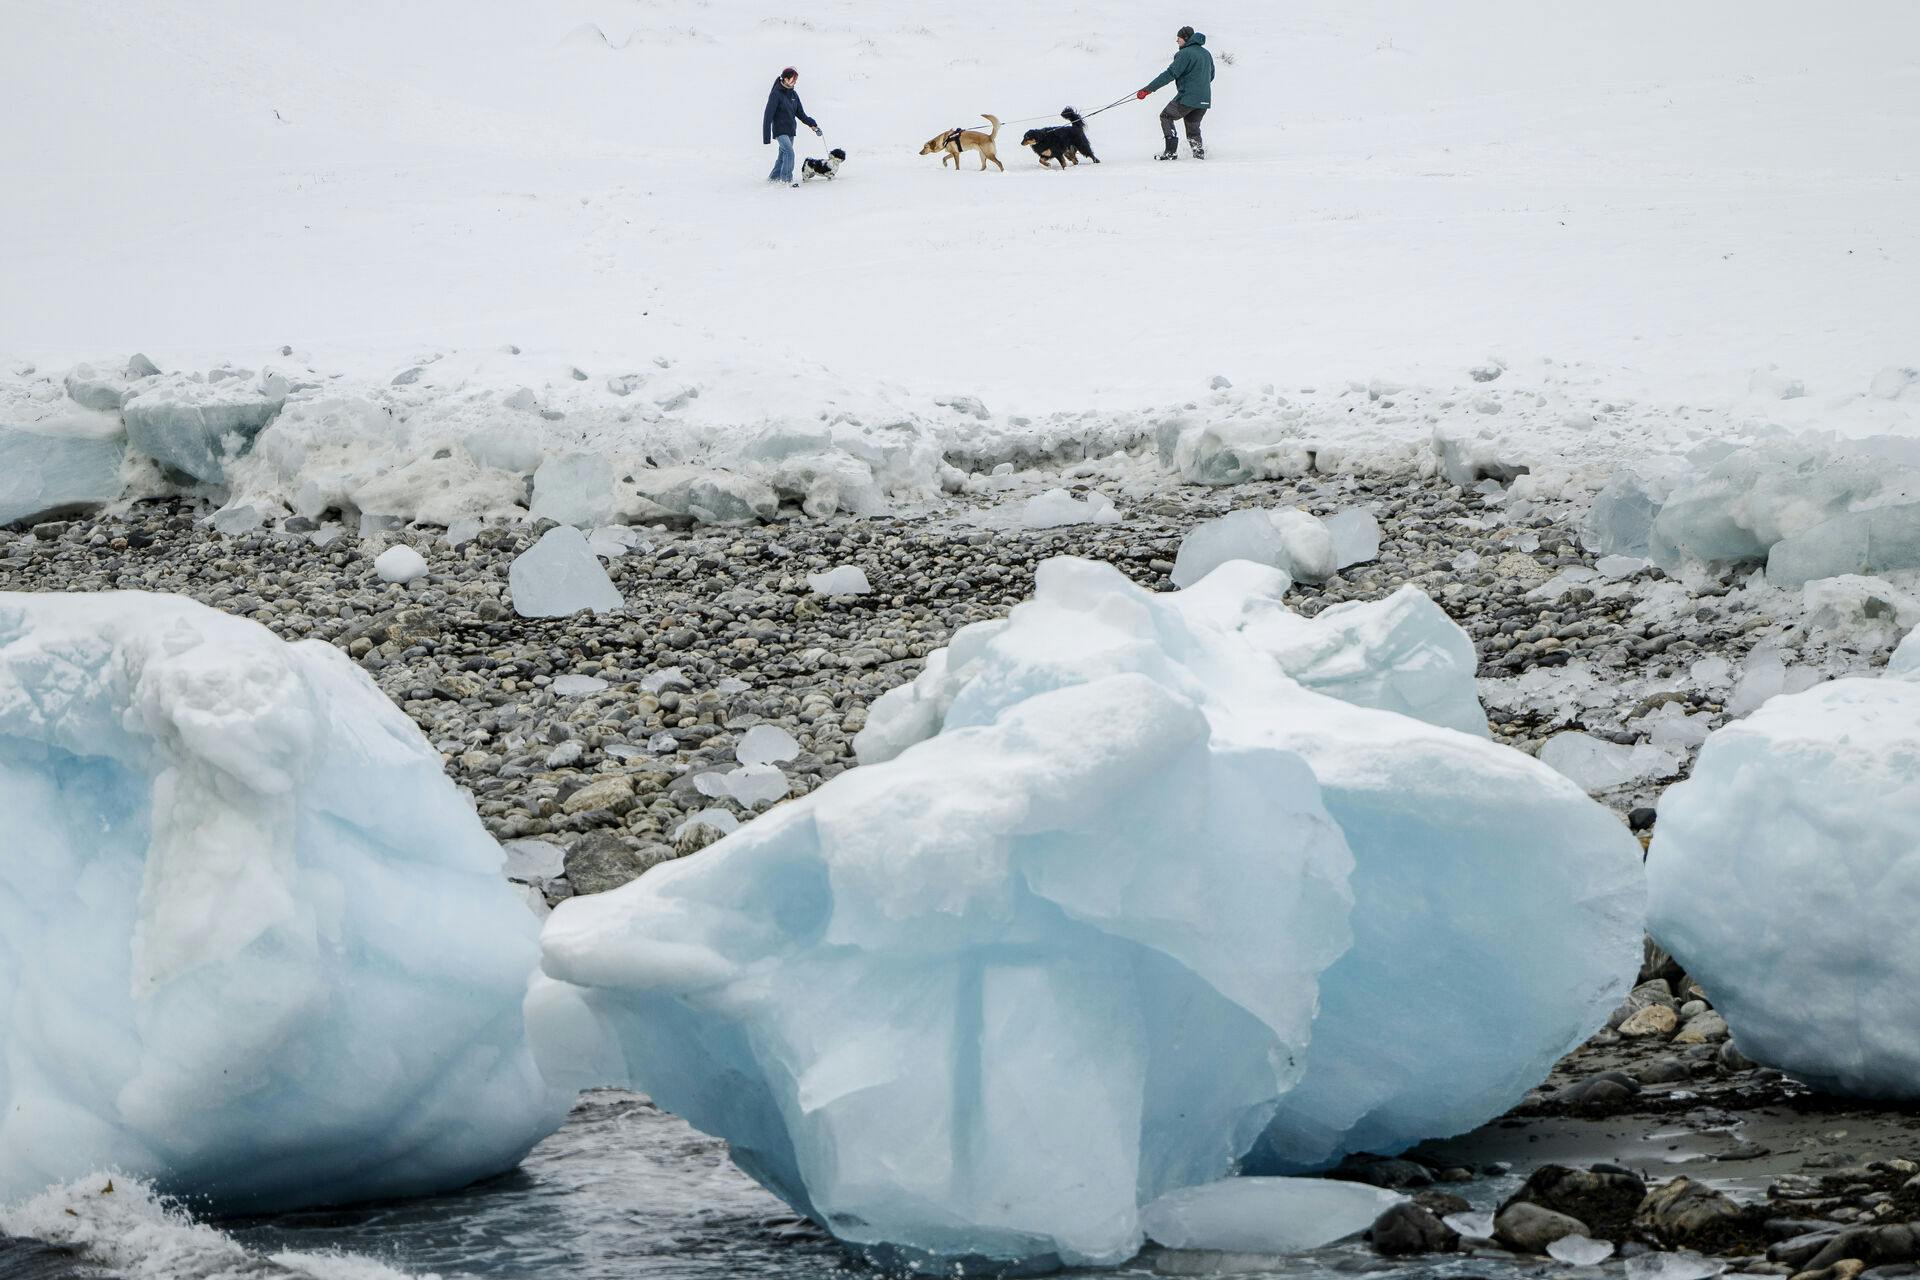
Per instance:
{"type": "Point", "coordinates": [1674, 197]}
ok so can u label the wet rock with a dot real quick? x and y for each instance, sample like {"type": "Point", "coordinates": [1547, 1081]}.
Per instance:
{"type": "Point", "coordinates": [1871, 1246]}
{"type": "Point", "coordinates": [1706, 1027]}
{"type": "Point", "coordinates": [600, 861]}
{"type": "Point", "coordinates": [1530, 1228]}
{"type": "Point", "coordinates": [1409, 1229]}
{"type": "Point", "coordinates": [1393, 1175]}
{"type": "Point", "coordinates": [1603, 1198]}
{"type": "Point", "coordinates": [1686, 1215]}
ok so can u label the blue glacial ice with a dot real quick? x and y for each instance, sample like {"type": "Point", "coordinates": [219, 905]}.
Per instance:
{"type": "Point", "coordinates": [1783, 876]}
{"type": "Point", "coordinates": [56, 458]}
{"type": "Point", "coordinates": [197, 423]}
{"type": "Point", "coordinates": [1112, 902]}
{"type": "Point", "coordinates": [254, 945]}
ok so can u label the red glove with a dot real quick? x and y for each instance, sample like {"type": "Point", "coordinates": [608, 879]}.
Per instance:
{"type": "Point", "coordinates": [1142, 94]}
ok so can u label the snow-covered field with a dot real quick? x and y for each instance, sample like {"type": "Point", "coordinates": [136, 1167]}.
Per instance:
{"type": "Point", "coordinates": [1634, 208]}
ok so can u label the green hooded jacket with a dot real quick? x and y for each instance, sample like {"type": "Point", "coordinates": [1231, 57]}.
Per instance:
{"type": "Point", "coordinates": [1192, 71]}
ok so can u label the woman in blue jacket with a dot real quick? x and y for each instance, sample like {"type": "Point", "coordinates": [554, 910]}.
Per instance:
{"type": "Point", "coordinates": [777, 125]}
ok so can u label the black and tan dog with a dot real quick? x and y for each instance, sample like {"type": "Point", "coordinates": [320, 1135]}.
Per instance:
{"type": "Point", "coordinates": [953, 142]}
{"type": "Point", "coordinates": [1061, 142]}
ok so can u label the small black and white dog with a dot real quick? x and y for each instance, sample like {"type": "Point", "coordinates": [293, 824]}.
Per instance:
{"type": "Point", "coordinates": [823, 168]}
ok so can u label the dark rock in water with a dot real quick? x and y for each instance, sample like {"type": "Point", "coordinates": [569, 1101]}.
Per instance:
{"type": "Point", "coordinates": [34, 1260]}
{"type": "Point", "coordinates": [1797, 1250]}
{"type": "Point", "coordinates": [1607, 1091]}
{"type": "Point", "coordinates": [1641, 819]}
{"type": "Point", "coordinates": [1442, 1203]}
{"type": "Point", "coordinates": [1408, 1228]}
{"type": "Point", "coordinates": [1875, 1246]}
{"type": "Point", "coordinates": [1686, 1215]}
{"type": "Point", "coordinates": [1530, 1228]}
{"type": "Point", "coordinates": [1605, 1198]}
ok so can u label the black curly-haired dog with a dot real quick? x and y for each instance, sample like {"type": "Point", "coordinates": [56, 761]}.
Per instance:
{"type": "Point", "coordinates": [1061, 142]}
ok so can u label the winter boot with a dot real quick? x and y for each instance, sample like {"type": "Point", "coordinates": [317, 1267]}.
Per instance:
{"type": "Point", "coordinates": [1168, 154]}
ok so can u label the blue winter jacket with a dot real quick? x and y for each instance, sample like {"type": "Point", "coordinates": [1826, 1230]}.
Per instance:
{"type": "Point", "coordinates": [783, 108]}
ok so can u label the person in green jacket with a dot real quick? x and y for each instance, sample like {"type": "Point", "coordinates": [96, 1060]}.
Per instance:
{"type": "Point", "coordinates": [1191, 74]}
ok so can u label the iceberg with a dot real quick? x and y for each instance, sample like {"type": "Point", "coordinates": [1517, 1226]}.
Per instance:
{"type": "Point", "coordinates": [254, 945]}
{"type": "Point", "coordinates": [1783, 876]}
{"type": "Point", "coordinates": [56, 458]}
{"type": "Point", "coordinates": [1105, 817]}
{"type": "Point", "coordinates": [559, 576]}
{"type": "Point", "coordinates": [1289, 540]}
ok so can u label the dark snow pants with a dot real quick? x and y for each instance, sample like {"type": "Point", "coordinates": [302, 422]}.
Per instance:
{"type": "Point", "coordinates": [1191, 115]}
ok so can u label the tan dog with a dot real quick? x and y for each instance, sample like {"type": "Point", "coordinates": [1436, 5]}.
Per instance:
{"type": "Point", "coordinates": [951, 143]}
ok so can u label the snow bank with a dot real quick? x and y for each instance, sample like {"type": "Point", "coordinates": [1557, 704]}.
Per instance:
{"type": "Point", "coordinates": [253, 944]}
{"type": "Point", "coordinates": [1118, 815]}
{"type": "Point", "coordinates": [1783, 876]}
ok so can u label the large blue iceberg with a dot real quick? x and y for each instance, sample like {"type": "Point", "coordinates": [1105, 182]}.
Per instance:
{"type": "Point", "coordinates": [1114, 901]}
{"type": "Point", "coordinates": [254, 945]}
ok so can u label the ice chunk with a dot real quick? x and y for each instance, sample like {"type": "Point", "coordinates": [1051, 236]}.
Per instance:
{"type": "Point", "coordinates": [1290, 540]}
{"type": "Point", "coordinates": [1674, 1266]}
{"type": "Point", "coordinates": [1598, 765]}
{"type": "Point", "coordinates": [575, 489]}
{"type": "Point", "coordinates": [1473, 1226]}
{"type": "Point", "coordinates": [612, 541]}
{"type": "Point", "coordinates": [257, 946]}
{"type": "Point", "coordinates": [655, 681]}
{"type": "Point", "coordinates": [1057, 507]}
{"type": "Point", "coordinates": [1740, 506]}
{"type": "Point", "coordinates": [1235, 453]}
{"type": "Point", "coordinates": [55, 459]}
{"type": "Point", "coordinates": [1876, 540]}
{"type": "Point", "coordinates": [196, 426]}
{"type": "Point", "coordinates": [238, 519]}
{"type": "Point", "coordinates": [1356, 536]}
{"type": "Point", "coordinates": [576, 686]}
{"type": "Point", "coordinates": [749, 785]}
{"type": "Point", "coordinates": [1264, 1215]}
{"type": "Point", "coordinates": [1112, 821]}
{"type": "Point", "coordinates": [559, 575]}
{"type": "Point", "coordinates": [400, 563]}
{"type": "Point", "coordinates": [1670, 727]}
{"type": "Point", "coordinates": [461, 532]}
{"type": "Point", "coordinates": [1782, 876]}
{"type": "Point", "coordinates": [1580, 1251]}
{"type": "Point", "coordinates": [1864, 613]}
{"type": "Point", "coordinates": [1401, 654]}
{"type": "Point", "coordinates": [1711, 670]}
{"type": "Point", "coordinates": [1765, 675]}
{"type": "Point", "coordinates": [846, 580]}
{"type": "Point", "coordinates": [661, 743]}
{"type": "Point", "coordinates": [766, 744]}
{"type": "Point", "coordinates": [1617, 568]}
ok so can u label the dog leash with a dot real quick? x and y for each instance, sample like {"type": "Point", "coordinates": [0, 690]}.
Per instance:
{"type": "Point", "coordinates": [1004, 124]}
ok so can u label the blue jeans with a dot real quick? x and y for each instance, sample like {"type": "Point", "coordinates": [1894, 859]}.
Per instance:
{"type": "Point", "coordinates": [783, 164]}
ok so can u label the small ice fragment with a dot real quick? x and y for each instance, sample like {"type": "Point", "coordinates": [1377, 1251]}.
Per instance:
{"type": "Point", "coordinates": [712, 784]}
{"type": "Point", "coordinates": [1466, 562]}
{"type": "Point", "coordinates": [401, 564]}
{"type": "Point", "coordinates": [574, 686]}
{"type": "Point", "coordinates": [716, 819]}
{"type": "Point", "coordinates": [1673, 1266]}
{"type": "Point", "coordinates": [1711, 670]}
{"type": "Point", "coordinates": [559, 576]}
{"type": "Point", "coordinates": [611, 541]}
{"type": "Point", "coordinates": [756, 784]}
{"type": "Point", "coordinates": [1472, 1226]}
{"type": "Point", "coordinates": [766, 744]}
{"type": "Point", "coordinates": [1058, 507]}
{"type": "Point", "coordinates": [1003, 469]}
{"type": "Point", "coordinates": [1598, 765]}
{"type": "Point", "coordinates": [234, 521]}
{"type": "Point", "coordinates": [1264, 1215]}
{"type": "Point", "coordinates": [326, 535]}
{"type": "Point", "coordinates": [1615, 568]}
{"type": "Point", "coordinates": [461, 532]}
{"type": "Point", "coordinates": [622, 751]}
{"type": "Point", "coordinates": [1580, 1251]}
{"type": "Point", "coordinates": [567, 753]}
{"type": "Point", "coordinates": [532, 860]}
{"type": "Point", "coordinates": [655, 681]}
{"type": "Point", "coordinates": [847, 580]}
{"type": "Point", "coordinates": [731, 686]}
{"type": "Point", "coordinates": [661, 743]}
{"type": "Point", "coordinates": [1356, 536]}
